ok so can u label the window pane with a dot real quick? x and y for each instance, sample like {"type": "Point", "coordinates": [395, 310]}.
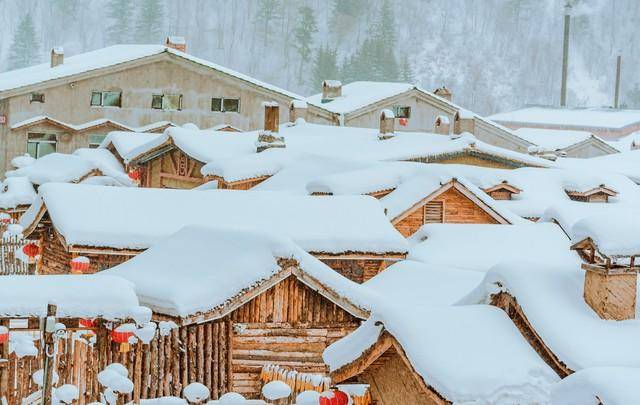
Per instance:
{"type": "Point", "coordinates": [156, 101]}
{"type": "Point", "coordinates": [95, 140]}
{"type": "Point", "coordinates": [37, 98]}
{"type": "Point", "coordinates": [111, 99]}
{"type": "Point", "coordinates": [402, 112]}
{"type": "Point", "coordinates": [32, 149]}
{"type": "Point", "coordinates": [171, 101]}
{"type": "Point", "coordinates": [44, 148]}
{"type": "Point", "coordinates": [231, 104]}
{"type": "Point", "coordinates": [96, 98]}
{"type": "Point", "coordinates": [216, 104]}
{"type": "Point", "coordinates": [41, 137]}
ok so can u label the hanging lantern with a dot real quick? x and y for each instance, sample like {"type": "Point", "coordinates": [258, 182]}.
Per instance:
{"type": "Point", "coordinates": [31, 250]}
{"type": "Point", "coordinates": [86, 323]}
{"type": "Point", "coordinates": [80, 264]}
{"type": "Point", "coordinates": [334, 397]}
{"type": "Point", "coordinates": [121, 335]}
{"type": "Point", "coordinates": [5, 218]}
{"type": "Point", "coordinates": [4, 335]}
{"type": "Point", "coordinates": [403, 122]}
{"type": "Point", "coordinates": [135, 174]}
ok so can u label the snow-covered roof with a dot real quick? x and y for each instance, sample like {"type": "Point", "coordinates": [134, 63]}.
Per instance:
{"type": "Point", "coordinates": [250, 166]}
{"type": "Point", "coordinates": [605, 385]}
{"type": "Point", "coordinates": [468, 354]}
{"type": "Point", "coordinates": [485, 245]}
{"type": "Point", "coordinates": [357, 95]}
{"type": "Point", "coordinates": [125, 142]}
{"type": "Point", "coordinates": [200, 269]}
{"type": "Point", "coordinates": [137, 218]}
{"type": "Point", "coordinates": [615, 233]}
{"type": "Point", "coordinates": [106, 162]}
{"type": "Point", "coordinates": [16, 191]}
{"type": "Point", "coordinates": [571, 117]}
{"type": "Point", "coordinates": [55, 167]}
{"type": "Point", "coordinates": [76, 296]}
{"type": "Point", "coordinates": [90, 124]}
{"type": "Point", "coordinates": [551, 297]}
{"type": "Point", "coordinates": [626, 163]}
{"type": "Point", "coordinates": [554, 139]}
{"type": "Point", "coordinates": [111, 56]}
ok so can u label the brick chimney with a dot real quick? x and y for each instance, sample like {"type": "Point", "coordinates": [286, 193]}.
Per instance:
{"type": "Point", "coordinates": [268, 138]}
{"type": "Point", "coordinates": [463, 122]}
{"type": "Point", "coordinates": [297, 109]}
{"type": "Point", "coordinates": [177, 43]}
{"type": "Point", "coordinates": [443, 92]}
{"type": "Point", "coordinates": [609, 286]}
{"type": "Point", "coordinates": [57, 56]}
{"type": "Point", "coordinates": [387, 125]}
{"type": "Point", "coordinates": [331, 89]}
{"type": "Point", "coordinates": [442, 125]}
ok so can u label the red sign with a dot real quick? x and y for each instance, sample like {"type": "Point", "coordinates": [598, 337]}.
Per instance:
{"type": "Point", "coordinates": [3, 119]}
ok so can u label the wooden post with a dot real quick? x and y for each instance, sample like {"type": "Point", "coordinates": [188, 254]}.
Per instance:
{"type": "Point", "coordinates": [4, 364]}
{"type": "Point", "coordinates": [48, 333]}
{"type": "Point", "coordinates": [616, 100]}
{"type": "Point", "coordinates": [565, 55]}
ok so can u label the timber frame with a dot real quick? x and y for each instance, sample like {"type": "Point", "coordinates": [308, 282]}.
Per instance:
{"type": "Point", "coordinates": [385, 345]}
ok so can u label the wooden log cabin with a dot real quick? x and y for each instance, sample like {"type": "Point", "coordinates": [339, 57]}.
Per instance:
{"type": "Point", "coordinates": [600, 193]}
{"type": "Point", "coordinates": [241, 300]}
{"type": "Point", "coordinates": [112, 224]}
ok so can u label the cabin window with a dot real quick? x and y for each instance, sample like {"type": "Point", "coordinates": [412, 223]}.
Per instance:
{"type": "Point", "coordinates": [402, 111]}
{"type": "Point", "coordinates": [220, 104]}
{"type": "Point", "coordinates": [106, 98]}
{"type": "Point", "coordinates": [39, 145]}
{"type": "Point", "coordinates": [95, 140]}
{"type": "Point", "coordinates": [166, 101]}
{"type": "Point", "coordinates": [36, 98]}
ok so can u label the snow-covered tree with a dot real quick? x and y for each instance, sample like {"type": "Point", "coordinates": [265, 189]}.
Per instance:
{"type": "Point", "coordinates": [150, 21]}
{"type": "Point", "coordinates": [119, 13]}
{"type": "Point", "coordinates": [269, 11]}
{"type": "Point", "coordinates": [24, 49]}
{"type": "Point", "coordinates": [303, 33]}
{"type": "Point", "coordinates": [325, 66]}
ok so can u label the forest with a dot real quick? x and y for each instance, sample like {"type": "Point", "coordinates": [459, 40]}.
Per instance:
{"type": "Point", "coordinates": [494, 55]}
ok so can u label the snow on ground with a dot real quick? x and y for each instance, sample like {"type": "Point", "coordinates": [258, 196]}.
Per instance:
{"type": "Point", "coordinates": [76, 296]}
{"type": "Point", "coordinates": [199, 269]}
{"type": "Point", "coordinates": [551, 297]}
{"type": "Point", "coordinates": [478, 247]}
{"type": "Point", "coordinates": [606, 385]}
{"type": "Point", "coordinates": [137, 218]}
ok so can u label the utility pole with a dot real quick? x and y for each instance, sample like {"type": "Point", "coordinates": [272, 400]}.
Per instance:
{"type": "Point", "coordinates": [616, 100]}
{"type": "Point", "coordinates": [49, 339]}
{"type": "Point", "coordinates": [565, 54]}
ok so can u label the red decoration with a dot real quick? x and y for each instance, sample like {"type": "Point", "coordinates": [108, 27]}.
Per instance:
{"type": "Point", "coordinates": [87, 323]}
{"type": "Point", "coordinates": [403, 122]}
{"type": "Point", "coordinates": [338, 398]}
{"type": "Point", "coordinates": [122, 338]}
{"type": "Point", "coordinates": [5, 218]}
{"type": "Point", "coordinates": [79, 265]}
{"type": "Point", "coordinates": [31, 250]}
{"type": "Point", "coordinates": [135, 174]}
{"type": "Point", "coordinates": [4, 337]}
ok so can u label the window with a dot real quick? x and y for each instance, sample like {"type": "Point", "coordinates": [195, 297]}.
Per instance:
{"type": "Point", "coordinates": [39, 145]}
{"type": "Point", "coordinates": [220, 104]}
{"type": "Point", "coordinates": [402, 111]}
{"type": "Point", "coordinates": [95, 140]}
{"type": "Point", "coordinates": [106, 98]}
{"type": "Point", "coordinates": [166, 101]}
{"type": "Point", "coordinates": [36, 98]}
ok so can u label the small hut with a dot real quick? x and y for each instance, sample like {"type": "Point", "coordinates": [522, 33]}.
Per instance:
{"type": "Point", "coordinates": [241, 300]}
{"type": "Point", "coordinates": [600, 193]}
{"type": "Point", "coordinates": [502, 191]}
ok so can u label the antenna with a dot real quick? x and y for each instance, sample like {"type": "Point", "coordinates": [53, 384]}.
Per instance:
{"type": "Point", "coordinates": [616, 99]}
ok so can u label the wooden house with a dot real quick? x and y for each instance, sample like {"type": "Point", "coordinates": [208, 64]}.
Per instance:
{"type": "Point", "coordinates": [502, 191]}
{"type": "Point", "coordinates": [349, 233]}
{"type": "Point", "coordinates": [242, 300]}
{"type": "Point", "coordinates": [452, 201]}
{"type": "Point", "coordinates": [601, 193]}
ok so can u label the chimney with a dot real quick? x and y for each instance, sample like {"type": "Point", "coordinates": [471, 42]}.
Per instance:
{"type": "Point", "coordinates": [463, 122]}
{"type": "Point", "coordinates": [177, 43]}
{"type": "Point", "coordinates": [268, 138]}
{"type": "Point", "coordinates": [331, 89]}
{"type": "Point", "coordinates": [387, 122]}
{"type": "Point", "coordinates": [57, 56]}
{"type": "Point", "coordinates": [635, 145]}
{"type": "Point", "coordinates": [610, 284]}
{"type": "Point", "coordinates": [442, 125]}
{"type": "Point", "coordinates": [297, 110]}
{"type": "Point", "coordinates": [443, 92]}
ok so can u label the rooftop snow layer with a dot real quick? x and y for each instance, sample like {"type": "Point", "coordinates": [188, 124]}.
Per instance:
{"type": "Point", "coordinates": [615, 232]}
{"type": "Point", "coordinates": [359, 94]}
{"type": "Point", "coordinates": [199, 269]}
{"type": "Point", "coordinates": [76, 296]}
{"type": "Point", "coordinates": [16, 191]}
{"type": "Point", "coordinates": [55, 167]}
{"type": "Point", "coordinates": [606, 385]}
{"type": "Point", "coordinates": [572, 117]}
{"type": "Point", "coordinates": [137, 218]}
{"type": "Point", "coordinates": [552, 139]}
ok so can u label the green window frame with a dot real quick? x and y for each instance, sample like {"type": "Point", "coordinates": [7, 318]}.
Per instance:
{"type": "Point", "coordinates": [101, 98]}
{"type": "Point", "coordinates": [40, 144]}
{"type": "Point", "coordinates": [222, 104]}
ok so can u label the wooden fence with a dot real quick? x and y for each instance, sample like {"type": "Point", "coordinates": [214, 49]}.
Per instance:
{"type": "Point", "coordinates": [13, 261]}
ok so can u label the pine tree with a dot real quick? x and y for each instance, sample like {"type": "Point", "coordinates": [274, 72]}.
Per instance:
{"type": "Point", "coordinates": [325, 66]}
{"type": "Point", "coordinates": [303, 33]}
{"type": "Point", "coordinates": [268, 12]}
{"type": "Point", "coordinates": [343, 14]}
{"type": "Point", "coordinates": [149, 24]}
{"type": "Point", "coordinates": [406, 70]}
{"type": "Point", "coordinates": [24, 49]}
{"type": "Point", "coordinates": [385, 39]}
{"type": "Point", "coordinates": [119, 13]}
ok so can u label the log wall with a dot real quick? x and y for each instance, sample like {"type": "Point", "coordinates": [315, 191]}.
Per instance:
{"type": "Point", "coordinates": [458, 209]}
{"type": "Point", "coordinates": [358, 270]}
{"type": "Point", "coordinates": [173, 169]}
{"type": "Point", "coordinates": [289, 325]}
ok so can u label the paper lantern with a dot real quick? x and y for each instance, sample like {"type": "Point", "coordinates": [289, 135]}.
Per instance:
{"type": "Point", "coordinates": [4, 335]}
{"type": "Point", "coordinates": [31, 250]}
{"type": "Point", "coordinates": [403, 122]}
{"type": "Point", "coordinates": [134, 174]}
{"type": "Point", "coordinates": [5, 218]}
{"type": "Point", "coordinates": [86, 323]}
{"type": "Point", "coordinates": [80, 264]}
{"type": "Point", "coordinates": [122, 337]}
{"type": "Point", "coordinates": [334, 397]}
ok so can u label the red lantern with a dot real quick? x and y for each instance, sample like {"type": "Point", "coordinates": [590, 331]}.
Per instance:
{"type": "Point", "coordinates": [121, 337]}
{"type": "Point", "coordinates": [403, 122]}
{"type": "Point", "coordinates": [5, 218]}
{"type": "Point", "coordinates": [134, 174]}
{"type": "Point", "coordinates": [31, 250]}
{"type": "Point", "coordinates": [79, 264]}
{"type": "Point", "coordinates": [86, 323]}
{"type": "Point", "coordinates": [334, 397]}
{"type": "Point", "coordinates": [4, 335]}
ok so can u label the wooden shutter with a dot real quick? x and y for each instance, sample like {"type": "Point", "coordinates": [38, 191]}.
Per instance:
{"type": "Point", "coordinates": [434, 212]}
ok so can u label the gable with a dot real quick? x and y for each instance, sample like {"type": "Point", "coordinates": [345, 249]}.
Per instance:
{"type": "Point", "coordinates": [172, 169]}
